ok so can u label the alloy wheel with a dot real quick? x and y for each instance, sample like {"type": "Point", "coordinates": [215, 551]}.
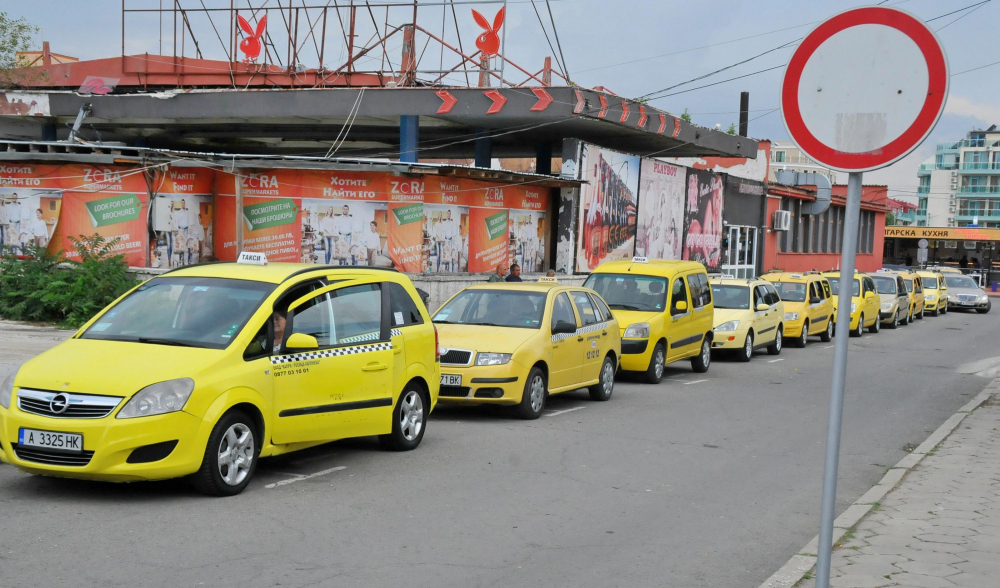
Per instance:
{"type": "Point", "coordinates": [411, 415]}
{"type": "Point", "coordinates": [658, 367]}
{"type": "Point", "coordinates": [537, 393]}
{"type": "Point", "coordinates": [608, 378]}
{"type": "Point", "coordinates": [236, 454]}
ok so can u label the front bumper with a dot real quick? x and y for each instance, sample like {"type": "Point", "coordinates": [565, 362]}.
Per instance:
{"type": "Point", "coordinates": [965, 304]}
{"type": "Point", "coordinates": [931, 304]}
{"type": "Point", "coordinates": [112, 441]}
{"type": "Point", "coordinates": [729, 339]}
{"type": "Point", "coordinates": [636, 354]}
{"type": "Point", "coordinates": [486, 384]}
{"type": "Point", "coordinates": [793, 329]}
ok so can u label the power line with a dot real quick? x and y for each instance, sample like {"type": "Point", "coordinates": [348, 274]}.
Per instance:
{"type": "Point", "coordinates": [963, 16]}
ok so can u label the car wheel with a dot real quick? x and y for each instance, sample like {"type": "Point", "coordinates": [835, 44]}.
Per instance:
{"type": "Point", "coordinates": [533, 398]}
{"type": "Point", "coordinates": [603, 389]}
{"type": "Point", "coordinates": [921, 315]}
{"type": "Point", "coordinates": [895, 320]}
{"type": "Point", "coordinates": [936, 312]}
{"type": "Point", "coordinates": [906, 318]}
{"type": "Point", "coordinates": [230, 456]}
{"type": "Point", "coordinates": [827, 335]}
{"type": "Point", "coordinates": [861, 328]}
{"type": "Point", "coordinates": [654, 373]}
{"type": "Point", "coordinates": [876, 326]}
{"type": "Point", "coordinates": [409, 418]}
{"type": "Point", "coordinates": [700, 362]}
{"type": "Point", "coordinates": [746, 352]}
{"type": "Point", "coordinates": [803, 339]}
{"type": "Point", "coordinates": [775, 347]}
{"type": "Point", "coordinates": [985, 310]}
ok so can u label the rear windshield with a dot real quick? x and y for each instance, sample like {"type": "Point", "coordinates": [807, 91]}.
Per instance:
{"type": "Point", "coordinates": [630, 291]}
{"type": "Point", "coordinates": [835, 284]}
{"type": "Point", "coordinates": [930, 283]}
{"type": "Point", "coordinates": [725, 296]}
{"type": "Point", "coordinates": [791, 291]}
{"type": "Point", "coordinates": [885, 285]}
{"type": "Point", "coordinates": [494, 308]}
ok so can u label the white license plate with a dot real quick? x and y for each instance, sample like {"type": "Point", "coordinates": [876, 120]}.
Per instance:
{"type": "Point", "coordinates": [968, 303]}
{"type": "Point", "coordinates": [69, 442]}
{"type": "Point", "coordinates": [451, 380]}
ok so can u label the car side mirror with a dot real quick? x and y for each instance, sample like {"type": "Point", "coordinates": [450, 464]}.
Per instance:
{"type": "Point", "coordinates": [681, 305]}
{"type": "Point", "coordinates": [763, 307]}
{"type": "Point", "coordinates": [563, 327]}
{"type": "Point", "coordinates": [301, 341]}
{"type": "Point", "coordinates": [869, 294]}
{"type": "Point", "coordinates": [814, 300]}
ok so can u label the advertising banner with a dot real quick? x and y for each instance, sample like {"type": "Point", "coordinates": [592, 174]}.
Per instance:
{"type": "Point", "coordinates": [489, 245]}
{"type": "Point", "coordinates": [703, 217]}
{"type": "Point", "coordinates": [28, 216]}
{"type": "Point", "coordinates": [280, 239]}
{"type": "Point", "coordinates": [122, 217]}
{"type": "Point", "coordinates": [406, 236]}
{"type": "Point", "coordinates": [607, 217]}
{"type": "Point", "coordinates": [660, 219]}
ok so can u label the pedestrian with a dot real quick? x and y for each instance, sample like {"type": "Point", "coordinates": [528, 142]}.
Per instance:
{"type": "Point", "coordinates": [964, 262]}
{"type": "Point", "coordinates": [499, 274]}
{"type": "Point", "coordinates": [909, 260]}
{"type": "Point", "coordinates": [515, 274]}
{"type": "Point", "coordinates": [975, 263]}
{"type": "Point", "coordinates": [550, 274]}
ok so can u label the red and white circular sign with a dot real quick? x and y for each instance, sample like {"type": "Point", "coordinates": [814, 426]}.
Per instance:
{"type": "Point", "coordinates": [864, 88]}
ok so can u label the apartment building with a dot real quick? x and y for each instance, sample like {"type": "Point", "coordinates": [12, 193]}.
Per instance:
{"type": "Point", "coordinates": [960, 185]}
{"type": "Point", "coordinates": [785, 155]}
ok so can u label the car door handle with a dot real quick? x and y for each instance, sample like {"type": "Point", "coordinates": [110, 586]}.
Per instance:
{"type": "Point", "coordinates": [374, 367]}
{"type": "Point", "coordinates": [604, 332]}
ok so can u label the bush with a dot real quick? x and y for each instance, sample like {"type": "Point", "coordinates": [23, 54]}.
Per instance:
{"type": "Point", "coordinates": [40, 286]}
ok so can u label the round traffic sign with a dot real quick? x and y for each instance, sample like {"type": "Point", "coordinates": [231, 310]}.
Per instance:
{"type": "Point", "coordinates": [864, 88]}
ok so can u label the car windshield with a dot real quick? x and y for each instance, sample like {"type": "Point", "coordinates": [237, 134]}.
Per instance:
{"type": "Point", "coordinates": [930, 283]}
{"type": "Point", "coordinates": [791, 291]}
{"type": "Point", "coordinates": [737, 297]}
{"type": "Point", "coordinates": [630, 291]}
{"type": "Point", "coordinates": [960, 282]}
{"type": "Point", "coordinates": [835, 284]}
{"type": "Point", "coordinates": [494, 308]}
{"type": "Point", "coordinates": [909, 285]}
{"type": "Point", "coordinates": [885, 285]}
{"type": "Point", "coordinates": [188, 312]}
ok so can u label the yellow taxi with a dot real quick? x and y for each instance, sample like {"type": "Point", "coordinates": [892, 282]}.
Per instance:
{"type": "Point", "coordinates": [665, 311]}
{"type": "Point", "coordinates": [915, 289]}
{"type": "Point", "coordinates": [865, 302]}
{"type": "Point", "coordinates": [515, 344]}
{"type": "Point", "coordinates": [203, 370]}
{"type": "Point", "coordinates": [935, 291]}
{"type": "Point", "coordinates": [895, 302]}
{"type": "Point", "coordinates": [749, 314]}
{"type": "Point", "coordinates": [808, 305]}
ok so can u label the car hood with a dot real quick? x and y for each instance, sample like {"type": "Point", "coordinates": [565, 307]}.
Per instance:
{"type": "Point", "coordinates": [631, 317]}
{"type": "Point", "coordinates": [480, 338]}
{"type": "Point", "coordinates": [976, 291]}
{"type": "Point", "coordinates": [724, 315]}
{"type": "Point", "coordinates": [883, 298]}
{"type": "Point", "coordinates": [114, 368]}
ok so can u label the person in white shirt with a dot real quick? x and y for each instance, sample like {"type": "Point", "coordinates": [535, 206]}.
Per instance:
{"type": "Point", "coordinates": [196, 237]}
{"type": "Point", "coordinates": [345, 230]}
{"type": "Point", "coordinates": [526, 235]}
{"type": "Point", "coordinates": [327, 230]}
{"type": "Point", "coordinates": [4, 220]}
{"type": "Point", "coordinates": [39, 230]}
{"type": "Point", "coordinates": [14, 219]}
{"type": "Point", "coordinates": [182, 217]}
{"type": "Point", "coordinates": [449, 231]}
{"type": "Point", "coordinates": [373, 242]}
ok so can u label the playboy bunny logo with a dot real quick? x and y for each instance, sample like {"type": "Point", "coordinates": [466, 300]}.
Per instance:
{"type": "Point", "coordinates": [252, 43]}
{"type": "Point", "coordinates": [489, 41]}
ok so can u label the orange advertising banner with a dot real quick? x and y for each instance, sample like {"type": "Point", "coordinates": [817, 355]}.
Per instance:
{"type": "Point", "coordinates": [270, 226]}
{"type": "Point", "coordinates": [343, 185]}
{"type": "Point", "coordinates": [274, 183]}
{"type": "Point", "coordinates": [489, 243]}
{"type": "Point", "coordinates": [406, 236]}
{"type": "Point", "coordinates": [111, 215]}
{"type": "Point", "coordinates": [185, 180]}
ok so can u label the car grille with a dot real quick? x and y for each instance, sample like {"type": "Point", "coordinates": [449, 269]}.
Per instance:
{"type": "Point", "coordinates": [454, 391]}
{"type": "Point", "coordinates": [78, 406]}
{"type": "Point", "coordinates": [456, 357]}
{"type": "Point", "coordinates": [50, 457]}
{"type": "Point", "coordinates": [968, 297]}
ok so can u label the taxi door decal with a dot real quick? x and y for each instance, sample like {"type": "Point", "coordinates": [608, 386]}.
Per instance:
{"type": "Point", "coordinates": [308, 355]}
{"type": "Point", "coordinates": [580, 331]}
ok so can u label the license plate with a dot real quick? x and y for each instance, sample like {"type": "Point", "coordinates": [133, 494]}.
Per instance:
{"type": "Point", "coordinates": [968, 303]}
{"type": "Point", "coordinates": [451, 380]}
{"type": "Point", "coordinates": [68, 442]}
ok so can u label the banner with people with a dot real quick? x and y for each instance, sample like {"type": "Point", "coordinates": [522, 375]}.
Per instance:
{"type": "Point", "coordinates": [660, 218]}
{"type": "Point", "coordinates": [703, 217]}
{"type": "Point", "coordinates": [607, 214]}
{"type": "Point", "coordinates": [271, 214]}
{"type": "Point", "coordinates": [182, 227]}
{"type": "Point", "coordinates": [28, 216]}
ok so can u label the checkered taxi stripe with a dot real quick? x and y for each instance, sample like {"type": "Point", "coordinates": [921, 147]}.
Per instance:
{"type": "Point", "coordinates": [369, 337]}
{"type": "Point", "coordinates": [353, 350]}
{"type": "Point", "coordinates": [580, 331]}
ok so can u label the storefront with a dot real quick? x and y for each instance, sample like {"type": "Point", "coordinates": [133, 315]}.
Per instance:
{"type": "Point", "coordinates": [744, 224]}
{"type": "Point", "coordinates": [972, 250]}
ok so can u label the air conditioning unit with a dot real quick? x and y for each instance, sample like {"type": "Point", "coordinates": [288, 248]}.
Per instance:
{"type": "Point", "coordinates": [954, 174]}
{"type": "Point", "coordinates": [951, 208]}
{"type": "Point", "coordinates": [951, 219]}
{"type": "Point", "coordinates": [782, 220]}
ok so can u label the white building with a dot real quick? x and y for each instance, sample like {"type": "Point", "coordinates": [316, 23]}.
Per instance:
{"type": "Point", "coordinates": [960, 185]}
{"type": "Point", "coordinates": [785, 155]}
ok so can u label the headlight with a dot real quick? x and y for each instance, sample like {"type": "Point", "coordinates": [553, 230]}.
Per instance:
{"type": "Point", "coordinates": [853, 307]}
{"type": "Point", "coordinates": [7, 389]}
{"type": "Point", "coordinates": [637, 331]}
{"type": "Point", "coordinates": [492, 358]}
{"type": "Point", "coordinates": [953, 298]}
{"type": "Point", "coordinates": [728, 326]}
{"type": "Point", "coordinates": [886, 306]}
{"type": "Point", "coordinates": [983, 297]}
{"type": "Point", "coordinates": [159, 398]}
{"type": "Point", "coordinates": [791, 316]}
{"type": "Point", "coordinates": [930, 297]}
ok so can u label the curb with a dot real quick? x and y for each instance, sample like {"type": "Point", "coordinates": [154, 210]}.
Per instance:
{"type": "Point", "coordinates": [796, 568]}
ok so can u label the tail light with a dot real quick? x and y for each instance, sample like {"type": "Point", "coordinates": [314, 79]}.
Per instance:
{"type": "Point", "coordinates": [437, 348]}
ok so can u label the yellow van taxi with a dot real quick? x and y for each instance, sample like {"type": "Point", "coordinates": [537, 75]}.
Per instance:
{"type": "Point", "coordinates": [808, 305]}
{"type": "Point", "coordinates": [665, 311]}
{"type": "Point", "coordinates": [865, 302]}
{"type": "Point", "coordinates": [895, 302]}
{"type": "Point", "coordinates": [935, 291]}
{"type": "Point", "coordinates": [915, 289]}
{"type": "Point", "coordinates": [515, 344]}
{"type": "Point", "coordinates": [203, 370]}
{"type": "Point", "coordinates": [749, 314]}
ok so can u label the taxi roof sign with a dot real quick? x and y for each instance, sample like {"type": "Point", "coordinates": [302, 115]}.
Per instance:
{"type": "Point", "coordinates": [252, 258]}
{"type": "Point", "coordinates": [547, 280]}
{"type": "Point", "coordinates": [639, 260]}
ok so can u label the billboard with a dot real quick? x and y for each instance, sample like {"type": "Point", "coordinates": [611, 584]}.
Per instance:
{"type": "Point", "coordinates": [606, 228]}
{"type": "Point", "coordinates": [660, 218]}
{"type": "Point", "coordinates": [703, 217]}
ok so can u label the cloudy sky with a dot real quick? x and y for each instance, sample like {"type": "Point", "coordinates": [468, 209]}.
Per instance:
{"type": "Point", "coordinates": [632, 47]}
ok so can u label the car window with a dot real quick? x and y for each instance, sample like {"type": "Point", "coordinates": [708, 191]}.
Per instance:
{"type": "Point", "coordinates": [931, 283]}
{"type": "Point", "coordinates": [562, 311]}
{"type": "Point", "coordinates": [701, 293]}
{"type": "Point", "coordinates": [772, 294]}
{"type": "Point", "coordinates": [885, 285]}
{"type": "Point", "coordinates": [602, 309]}
{"type": "Point", "coordinates": [824, 289]}
{"type": "Point", "coordinates": [315, 318]}
{"type": "Point", "coordinates": [494, 308]}
{"type": "Point", "coordinates": [918, 285]}
{"type": "Point", "coordinates": [357, 314]}
{"type": "Point", "coordinates": [403, 307]}
{"type": "Point", "coordinates": [260, 345]}
{"type": "Point", "coordinates": [731, 296]}
{"type": "Point", "coordinates": [812, 291]}
{"type": "Point", "coordinates": [835, 285]}
{"type": "Point", "coordinates": [584, 308]}
{"type": "Point", "coordinates": [908, 285]}
{"type": "Point", "coordinates": [678, 293]}
{"type": "Point", "coordinates": [630, 291]}
{"type": "Point", "coordinates": [762, 296]}
{"type": "Point", "coordinates": [901, 286]}
{"type": "Point", "coordinates": [791, 291]}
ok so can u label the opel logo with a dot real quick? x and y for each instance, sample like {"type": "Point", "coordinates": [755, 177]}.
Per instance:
{"type": "Point", "coordinates": [59, 403]}
{"type": "Point", "coordinates": [444, 350]}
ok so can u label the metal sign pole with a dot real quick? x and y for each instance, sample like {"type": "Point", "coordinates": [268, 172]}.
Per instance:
{"type": "Point", "coordinates": [850, 239]}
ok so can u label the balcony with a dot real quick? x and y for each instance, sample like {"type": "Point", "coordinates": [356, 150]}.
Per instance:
{"type": "Point", "coordinates": [929, 167]}
{"type": "Point", "coordinates": [978, 190]}
{"type": "Point", "coordinates": [982, 216]}
{"type": "Point", "coordinates": [906, 218]}
{"type": "Point", "coordinates": [984, 166]}
{"type": "Point", "coordinates": [923, 189]}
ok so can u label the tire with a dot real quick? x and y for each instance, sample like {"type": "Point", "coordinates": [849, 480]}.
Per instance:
{"type": "Point", "coordinates": [409, 418]}
{"type": "Point", "coordinates": [657, 363]}
{"type": "Point", "coordinates": [746, 353]}
{"type": "Point", "coordinates": [533, 399]}
{"type": "Point", "coordinates": [230, 456]}
{"type": "Point", "coordinates": [895, 320]}
{"type": "Point", "coordinates": [906, 319]}
{"type": "Point", "coordinates": [861, 328]}
{"type": "Point", "coordinates": [775, 347]}
{"type": "Point", "coordinates": [700, 362]}
{"type": "Point", "coordinates": [603, 389]}
{"type": "Point", "coordinates": [827, 335]}
{"type": "Point", "coordinates": [920, 316]}
{"type": "Point", "coordinates": [989, 305]}
{"type": "Point", "coordinates": [876, 326]}
{"type": "Point", "coordinates": [936, 312]}
{"type": "Point", "coordinates": [803, 339]}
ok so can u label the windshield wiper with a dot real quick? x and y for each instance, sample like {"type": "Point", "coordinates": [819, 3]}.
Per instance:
{"type": "Point", "coordinates": [157, 341]}
{"type": "Point", "coordinates": [624, 307]}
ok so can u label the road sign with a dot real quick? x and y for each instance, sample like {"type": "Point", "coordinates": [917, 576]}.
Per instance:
{"type": "Point", "coordinates": [864, 88]}
{"type": "Point", "coordinates": [922, 244]}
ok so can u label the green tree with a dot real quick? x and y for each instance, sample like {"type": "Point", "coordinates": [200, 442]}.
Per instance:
{"type": "Point", "coordinates": [890, 219]}
{"type": "Point", "coordinates": [15, 35]}
{"type": "Point", "coordinates": [732, 129]}
{"type": "Point", "coordinates": [686, 116]}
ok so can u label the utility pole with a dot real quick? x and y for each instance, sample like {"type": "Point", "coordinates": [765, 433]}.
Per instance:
{"type": "Point", "coordinates": [239, 212]}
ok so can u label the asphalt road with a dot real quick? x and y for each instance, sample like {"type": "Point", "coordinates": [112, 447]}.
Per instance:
{"type": "Point", "coordinates": [705, 480]}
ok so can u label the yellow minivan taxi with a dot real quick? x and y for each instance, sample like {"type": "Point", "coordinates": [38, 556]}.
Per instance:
{"type": "Point", "coordinates": [935, 292]}
{"type": "Point", "coordinates": [748, 314]}
{"type": "Point", "coordinates": [808, 305]}
{"type": "Point", "coordinates": [914, 287]}
{"type": "Point", "coordinates": [665, 311]}
{"type": "Point", "coordinates": [205, 369]}
{"type": "Point", "coordinates": [865, 302]}
{"type": "Point", "coordinates": [514, 344]}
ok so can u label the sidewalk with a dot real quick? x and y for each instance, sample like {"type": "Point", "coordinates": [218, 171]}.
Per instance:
{"type": "Point", "coordinates": [940, 526]}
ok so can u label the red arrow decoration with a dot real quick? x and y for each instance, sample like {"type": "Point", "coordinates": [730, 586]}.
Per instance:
{"type": "Point", "coordinates": [580, 102]}
{"type": "Point", "coordinates": [604, 107]}
{"type": "Point", "coordinates": [544, 99]}
{"type": "Point", "coordinates": [624, 111]}
{"type": "Point", "coordinates": [677, 127]}
{"type": "Point", "coordinates": [642, 115]}
{"type": "Point", "coordinates": [663, 124]}
{"type": "Point", "coordinates": [498, 101]}
{"type": "Point", "coordinates": [448, 101]}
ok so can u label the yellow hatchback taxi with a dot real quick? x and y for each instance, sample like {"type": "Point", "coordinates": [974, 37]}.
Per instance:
{"type": "Point", "coordinates": [203, 370]}
{"type": "Point", "coordinates": [935, 292]}
{"type": "Point", "coordinates": [865, 302]}
{"type": "Point", "coordinates": [893, 298]}
{"type": "Point", "coordinates": [808, 305]}
{"type": "Point", "coordinates": [665, 311]}
{"type": "Point", "coordinates": [515, 344]}
{"type": "Point", "coordinates": [748, 314]}
{"type": "Point", "coordinates": [915, 289]}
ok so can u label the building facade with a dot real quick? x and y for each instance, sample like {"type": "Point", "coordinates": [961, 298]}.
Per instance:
{"type": "Point", "coordinates": [786, 156]}
{"type": "Point", "coordinates": [960, 185]}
